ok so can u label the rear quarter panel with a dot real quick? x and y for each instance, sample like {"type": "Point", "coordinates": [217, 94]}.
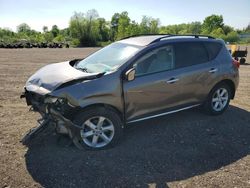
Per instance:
{"type": "Point", "coordinates": [226, 71]}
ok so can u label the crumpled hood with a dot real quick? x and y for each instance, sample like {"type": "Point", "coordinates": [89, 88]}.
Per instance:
{"type": "Point", "coordinates": [49, 77]}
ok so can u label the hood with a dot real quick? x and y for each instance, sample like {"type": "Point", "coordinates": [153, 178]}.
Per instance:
{"type": "Point", "coordinates": [52, 76]}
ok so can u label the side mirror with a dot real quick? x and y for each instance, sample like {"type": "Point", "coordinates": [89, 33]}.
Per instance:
{"type": "Point", "coordinates": [130, 74]}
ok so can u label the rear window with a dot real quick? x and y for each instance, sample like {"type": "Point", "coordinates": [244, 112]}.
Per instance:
{"type": "Point", "coordinates": [213, 49]}
{"type": "Point", "coordinates": [190, 53]}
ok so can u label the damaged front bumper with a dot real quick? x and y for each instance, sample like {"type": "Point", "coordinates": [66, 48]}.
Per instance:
{"type": "Point", "coordinates": [54, 111]}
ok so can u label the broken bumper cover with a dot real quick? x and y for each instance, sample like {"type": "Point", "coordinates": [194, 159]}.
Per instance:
{"type": "Point", "coordinates": [27, 97]}
{"type": "Point", "coordinates": [57, 113]}
{"type": "Point", "coordinates": [72, 129]}
{"type": "Point", "coordinates": [36, 101]}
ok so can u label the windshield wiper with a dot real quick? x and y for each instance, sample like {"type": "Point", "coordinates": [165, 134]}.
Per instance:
{"type": "Point", "coordinates": [84, 69]}
{"type": "Point", "coordinates": [100, 74]}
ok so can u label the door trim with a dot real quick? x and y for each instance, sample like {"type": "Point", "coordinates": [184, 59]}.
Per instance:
{"type": "Point", "coordinates": [165, 113]}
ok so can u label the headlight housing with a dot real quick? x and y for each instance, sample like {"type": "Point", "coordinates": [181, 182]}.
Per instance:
{"type": "Point", "coordinates": [50, 99]}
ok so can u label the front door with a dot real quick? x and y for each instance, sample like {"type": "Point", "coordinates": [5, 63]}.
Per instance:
{"type": "Point", "coordinates": [155, 87]}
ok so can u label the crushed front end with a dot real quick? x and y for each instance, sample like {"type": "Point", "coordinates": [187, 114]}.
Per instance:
{"type": "Point", "coordinates": [47, 92]}
{"type": "Point", "coordinates": [57, 112]}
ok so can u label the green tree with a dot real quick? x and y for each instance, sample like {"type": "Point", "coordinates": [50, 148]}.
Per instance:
{"type": "Point", "coordinates": [145, 25]}
{"type": "Point", "coordinates": [114, 26]}
{"type": "Point", "coordinates": [48, 37]}
{"type": "Point", "coordinates": [212, 23]}
{"type": "Point", "coordinates": [232, 37]}
{"type": "Point", "coordinates": [6, 35]}
{"type": "Point", "coordinates": [6, 32]}
{"type": "Point", "coordinates": [66, 34]}
{"type": "Point", "coordinates": [45, 29]}
{"type": "Point", "coordinates": [123, 25]}
{"type": "Point", "coordinates": [92, 33]}
{"type": "Point", "coordinates": [59, 38]}
{"type": "Point", "coordinates": [227, 29]}
{"type": "Point", "coordinates": [25, 28]}
{"type": "Point", "coordinates": [247, 29]}
{"type": "Point", "coordinates": [85, 27]}
{"type": "Point", "coordinates": [171, 29]}
{"type": "Point", "coordinates": [154, 26]}
{"type": "Point", "coordinates": [218, 33]}
{"type": "Point", "coordinates": [134, 28]}
{"type": "Point", "coordinates": [103, 29]}
{"type": "Point", "coordinates": [39, 38]}
{"type": "Point", "coordinates": [54, 30]}
{"type": "Point", "coordinates": [195, 28]}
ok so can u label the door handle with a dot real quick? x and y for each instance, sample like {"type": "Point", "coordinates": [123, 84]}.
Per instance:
{"type": "Point", "coordinates": [172, 80]}
{"type": "Point", "coordinates": [213, 70]}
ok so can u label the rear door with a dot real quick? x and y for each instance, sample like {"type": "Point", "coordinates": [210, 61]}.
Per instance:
{"type": "Point", "coordinates": [196, 69]}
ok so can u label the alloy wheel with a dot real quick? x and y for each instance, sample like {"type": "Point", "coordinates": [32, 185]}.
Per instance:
{"type": "Point", "coordinates": [97, 131]}
{"type": "Point", "coordinates": [220, 99]}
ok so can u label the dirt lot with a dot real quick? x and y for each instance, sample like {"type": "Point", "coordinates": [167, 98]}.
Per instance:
{"type": "Point", "coordinates": [188, 149]}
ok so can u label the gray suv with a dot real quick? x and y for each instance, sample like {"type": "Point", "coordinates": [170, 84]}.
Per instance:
{"type": "Point", "coordinates": [131, 80]}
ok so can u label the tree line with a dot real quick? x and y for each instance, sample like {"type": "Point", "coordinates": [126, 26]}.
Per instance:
{"type": "Point", "coordinates": [89, 29]}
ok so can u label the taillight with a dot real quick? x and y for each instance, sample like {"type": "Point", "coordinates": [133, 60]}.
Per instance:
{"type": "Point", "coordinates": [236, 63]}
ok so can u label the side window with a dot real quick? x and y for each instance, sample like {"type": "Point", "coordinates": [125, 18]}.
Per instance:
{"type": "Point", "coordinates": [160, 59]}
{"type": "Point", "coordinates": [190, 53]}
{"type": "Point", "coordinates": [213, 49]}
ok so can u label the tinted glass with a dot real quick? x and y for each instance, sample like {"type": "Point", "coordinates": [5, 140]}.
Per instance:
{"type": "Point", "coordinates": [190, 53]}
{"type": "Point", "coordinates": [213, 49]}
{"type": "Point", "coordinates": [160, 59]}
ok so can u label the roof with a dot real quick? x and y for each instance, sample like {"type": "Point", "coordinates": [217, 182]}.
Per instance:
{"type": "Point", "coordinates": [141, 40]}
{"type": "Point", "coordinates": [145, 40]}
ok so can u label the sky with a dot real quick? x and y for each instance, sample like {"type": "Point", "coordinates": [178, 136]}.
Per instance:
{"type": "Point", "coordinates": [58, 12]}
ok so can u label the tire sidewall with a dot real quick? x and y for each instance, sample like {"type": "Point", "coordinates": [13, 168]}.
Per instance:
{"type": "Point", "coordinates": [99, 111]}
{"type": "Point", "coordinates": [242, 60]}
{"type": "Point", "coordinates": [209, 104]}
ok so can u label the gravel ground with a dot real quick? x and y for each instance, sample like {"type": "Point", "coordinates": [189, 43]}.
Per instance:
{"type": "Point", "coordinates": [187, 149]}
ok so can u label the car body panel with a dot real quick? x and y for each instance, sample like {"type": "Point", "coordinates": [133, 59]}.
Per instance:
{"type": "Point", "coordinates": [51, 76]}
{"type": "Point", "coordinates": [141, 40]}
{"type": "Point", "coordinates": [104, 90]}
{"type": "Point", "coordinates": [150, 93]}
{"type": "Point", "coordinates": [228, 71]}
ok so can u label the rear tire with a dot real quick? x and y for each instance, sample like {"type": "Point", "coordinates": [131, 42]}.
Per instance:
{"type": "Point", "coordinates": [242, 60]}
{"type": "Point", "coordinates": [218, 99]}
{"type": "Point", "coordinates": [101, 128]}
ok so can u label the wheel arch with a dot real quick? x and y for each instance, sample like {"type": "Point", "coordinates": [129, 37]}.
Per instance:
{"type": "Point", "coordinates": [96, 105]}
{"type": "Point", "coordinates": [228, 82]}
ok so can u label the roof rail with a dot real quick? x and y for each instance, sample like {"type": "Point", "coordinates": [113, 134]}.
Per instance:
{"type": "Point", "coordinates": [140, 35]}
{"type": "Point", "coordinates": [170, 35]}
{"type": "Point", "coordinates": [163, 36]}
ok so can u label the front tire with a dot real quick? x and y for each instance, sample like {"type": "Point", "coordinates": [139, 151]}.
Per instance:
{"type": "Point", "coordinates": [218, 99]}
{"type": "Point", "coordinates": [100, 128]}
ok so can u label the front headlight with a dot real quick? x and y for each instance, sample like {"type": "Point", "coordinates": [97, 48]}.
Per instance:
{"type": "Point", "coordinates": [54, 100]}
{"type": "Point", "coordinates": [50, 100]}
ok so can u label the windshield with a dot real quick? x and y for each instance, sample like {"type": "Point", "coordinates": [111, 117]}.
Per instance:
{"type": "Point", "coordinates": [107, 59]}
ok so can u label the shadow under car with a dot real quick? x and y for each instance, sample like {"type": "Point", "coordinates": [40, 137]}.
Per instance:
{"type": "Point", "coordinates": [161, 150]}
